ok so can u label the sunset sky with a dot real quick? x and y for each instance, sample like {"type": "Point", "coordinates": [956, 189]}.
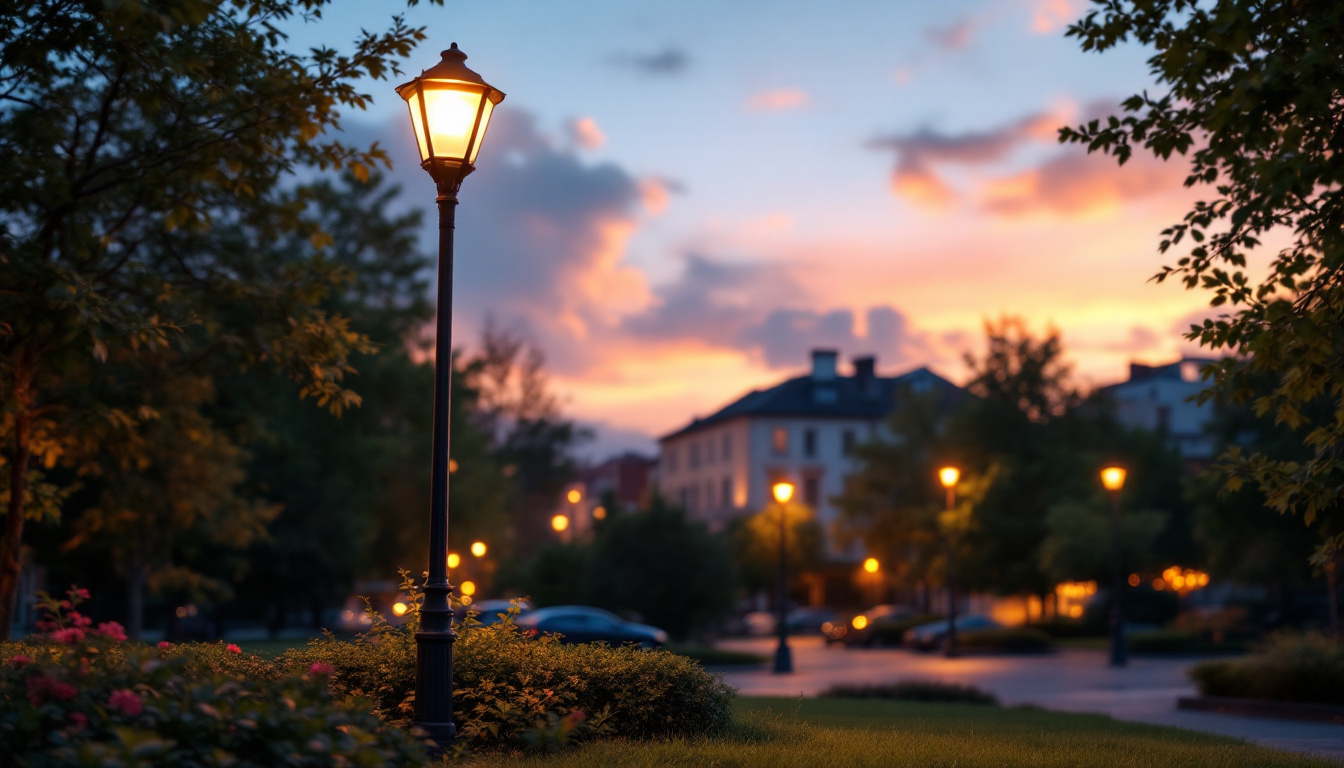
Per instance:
{"type": "Point", "coordinates": [677, 201]}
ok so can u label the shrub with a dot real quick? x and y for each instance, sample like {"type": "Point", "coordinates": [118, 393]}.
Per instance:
{"type": "Point", "coordinates": [1177, 642]}
{"type": "Point", "coordinates": [1303, 668]}
{"type": "Point", "coordinates": [1014, 639]}
{"type": "Point", "coordinates": [85, 699]}
{"type": "Point", "coordinates": [510, 687]}
{"type": "Point", "coordinates": [915, 690]}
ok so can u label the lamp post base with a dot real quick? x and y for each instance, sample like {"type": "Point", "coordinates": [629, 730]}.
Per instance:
{"type": "Point", "coordinates": [783, 659]}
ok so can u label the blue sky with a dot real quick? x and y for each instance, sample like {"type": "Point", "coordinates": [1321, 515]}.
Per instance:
{"type": "Point", "coordinates": [678, 200]}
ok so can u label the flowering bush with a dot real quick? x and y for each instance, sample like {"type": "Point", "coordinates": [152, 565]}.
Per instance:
{"type": "Point", "coordinates": [82, 698]}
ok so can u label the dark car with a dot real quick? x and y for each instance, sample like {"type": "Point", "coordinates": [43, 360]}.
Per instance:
{"type": "Point", "coordinates": [929, 636]}
{"type": "Point", "coordinates": [581, 624]}
{"type": "Point", "coordinates": [865, 628]}
{"type": "Point", "coordinates": [487, 612]}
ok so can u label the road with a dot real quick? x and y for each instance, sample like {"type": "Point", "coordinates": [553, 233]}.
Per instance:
{"type": "Point", "coordinates": [1070, 681]}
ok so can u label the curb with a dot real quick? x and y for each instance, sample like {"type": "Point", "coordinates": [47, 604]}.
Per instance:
{"type": "Point", "coordinates": [1282, 710]}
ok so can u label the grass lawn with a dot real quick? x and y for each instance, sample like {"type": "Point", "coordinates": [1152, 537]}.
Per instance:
{"type": "Point", "coordinates": [810, 733]}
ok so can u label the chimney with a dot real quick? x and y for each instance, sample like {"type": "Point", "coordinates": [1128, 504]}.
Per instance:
{"type": "Point", "coordinates": [823, 364]}
{"type": "Point", "coordinates": [865, 370]}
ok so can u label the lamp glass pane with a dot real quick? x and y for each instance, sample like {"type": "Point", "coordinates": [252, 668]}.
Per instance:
{"type": "Point", "coordinates": [480, 133]}
{"type": "Point", "coordinates": [452, 115]}
{"type": "Point", "coordinates": [417, 124]}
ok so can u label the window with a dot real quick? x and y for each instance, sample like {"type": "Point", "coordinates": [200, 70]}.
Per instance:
{"type": "Point", "coordinates": [695, 455]}
{"type": "Point", "coordinates": [671, 459]}
{"type": "Point", "coordinates": [779, 441]}
{"type": "Point", "coordinates": [709, 451]}
{"type": "Point", "coordinates": [811, 491]}
{"type": "Point", "coordinates": [727, 446]}
{"type": "Point", "coordinates": [728, 493]}
{"type": "Point", "coordinates": [847, 442]}
{"type": "Point", "coordinates": [810, 443]}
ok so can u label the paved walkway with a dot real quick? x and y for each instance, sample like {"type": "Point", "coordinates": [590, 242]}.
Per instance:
{"type": "Point", "coordinates": [1071, 681]}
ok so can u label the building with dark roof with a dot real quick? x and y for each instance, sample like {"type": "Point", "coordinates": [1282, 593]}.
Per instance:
{"type": "Point", "coordinates": [1164, 399]}
{"type": "Point", "coordinates": [804, 430]}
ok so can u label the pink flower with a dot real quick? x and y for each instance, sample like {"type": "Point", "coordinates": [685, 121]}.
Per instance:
{"type": "Point", "coordinates": [319, 668]}
{"type": "Point", "coordinates": [70, 635]}
{"type": "Point", "coordinates": [164, 645]}
{"type": "Point", "coordinates": [20, 660]}
{"type": "Point", "coordinates": [231, 648]}
{"type": "Point", "coordinates": [82, 593]}
{"type": "Point", "coordinates": [42, 689]}
{"type": "Point", "coordinates": [66, 605]}
{"type": "Point", "coordinates": [80, 720]}
{"type": "Point", "coordinates": [126, 702]}
{"type": "Point", "coordinates": [80, 620]}
{"type": "Point", "coordinates": [113, 630]}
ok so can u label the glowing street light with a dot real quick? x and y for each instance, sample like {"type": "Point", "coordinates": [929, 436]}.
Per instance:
{"type": "Point", "coordinates": [574, 496]}
{"type": "Point", "coordinates": [468, 588]}
{"type": "Point", "coordinates": [559, 523]}
{"type": "Point", "coordinates": [454, 559]}
{"type": "Point", "coordinates": [478, 548]}
{"type": "Point", "coordinates": [949, 476]}
{"type": "Point", "coordinates": [871, 565]}
{"type": "Point", "coordinates": [1113, 480]}
{"type": "Point", "coordinates": [450, 108]}
{"type": "Point", "coordinates": [783, 492]}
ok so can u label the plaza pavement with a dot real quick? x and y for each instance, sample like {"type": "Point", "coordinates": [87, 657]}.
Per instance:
{"type": "Point", "coordinates": [1071, 681]}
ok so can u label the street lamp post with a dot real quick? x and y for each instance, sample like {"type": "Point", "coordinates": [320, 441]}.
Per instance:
{"type": "Point", "coordinates": [783, 491]}
{"type": "Point", "coordinates": [450, 108]}
{"type": "Point", "coordinates": [1113, 478]}
{"type": "Point", "coordinates": [948, 476]}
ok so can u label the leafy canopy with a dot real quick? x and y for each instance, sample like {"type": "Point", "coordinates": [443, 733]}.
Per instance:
{"type": "Point", "coordinates": [1251, 94]}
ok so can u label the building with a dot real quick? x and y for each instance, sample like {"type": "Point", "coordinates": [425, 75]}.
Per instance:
{"type": "Point", "coordinates": [1163, 399]}
{"type": "Point", "coordinates": [624, 477]}
{"type": "Point", "coordinates": [804, 430]}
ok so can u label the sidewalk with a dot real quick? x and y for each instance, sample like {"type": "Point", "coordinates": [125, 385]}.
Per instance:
{"type": "Point", "coordinates": [1070, 681]}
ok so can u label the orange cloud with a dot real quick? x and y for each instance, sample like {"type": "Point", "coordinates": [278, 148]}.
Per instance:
{"type": "Point", "coordinates": [1081, 185]}
{"type": "Point", "coordinates": [777, 101]}
{"type": "Point", "coordinates": [922, 186]}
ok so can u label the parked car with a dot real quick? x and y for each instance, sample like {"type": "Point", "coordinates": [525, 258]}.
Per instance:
{"type": "Point", "coordinates": [488, 612]}
{"type": "Point", "coordinates": [809, 621]}
{"type": "Point", "coordinates": [929, 636]}
{"type": "Point", "coordinates": [860, 629]}
{"type": "Point", "coordinates": [581, 624]}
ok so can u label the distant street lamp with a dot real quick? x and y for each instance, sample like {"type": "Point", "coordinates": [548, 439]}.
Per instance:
{"type": "Point", "coordinates": [783, 491]}
{"type": "Point", "coordinates": [1113, 478]}
{"type": "Point", "coordinates": [949, 476]}
{"type": "Point", "coordinates": [478, 548]}
{"type": "Point", "coordinates": [450, 108]}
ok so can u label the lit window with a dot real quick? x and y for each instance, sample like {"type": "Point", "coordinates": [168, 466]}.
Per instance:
{"type": "Point", "coordinates": [780, 441]}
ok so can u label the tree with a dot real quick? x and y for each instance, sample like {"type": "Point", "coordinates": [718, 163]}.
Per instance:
{"type": "Point", "coordinates": [754, 541]}
{"type": "Point", "coordinates": [150, 148]}
{"type": "Point", "coordinates": [1251, 94]}
{"type": "Point", "coordinates": [668, 569]}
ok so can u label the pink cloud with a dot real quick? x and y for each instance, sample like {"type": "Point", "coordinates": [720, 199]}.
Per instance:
{"type": "Point", "coordinates": [1047, 16]}
{"type": "Point", "coordinates": [780, 100]}
{"type": "Point", "coordinates": [585, 134]}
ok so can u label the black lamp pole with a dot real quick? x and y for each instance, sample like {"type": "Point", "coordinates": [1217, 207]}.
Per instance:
{"type": "Point", "coordinates": [950, 642]}
{"type": "Point", "coordinates": [435, 638]}
{"type": "Point", "coordinates": [1119, 653]}
{"type": "Point", "coordinates": [783, 656]}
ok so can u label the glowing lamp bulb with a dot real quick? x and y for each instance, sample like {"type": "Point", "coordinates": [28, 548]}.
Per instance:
{"type": "Point", "coordinates": [949, 476]}
{"type": "Point", "coordinates": [783, 491]}
{"type": "Point", "coordinates": [871, 565]}
{"type": "Point", "coordinates": [600, 513]}
{"type": "Point", "coordinates": [399, 609]}
{"type": "Point", "coordinates": [559, 522]}
{"type": "Point", "coordinates": [574, 496]}
{"type": "Point", "coordinates": [468, 588]}
{"type": "Point", "coordinates": [860, 621]}
{"type": "Point", "coordinates": [478, 549]}
{"type": "Point", "coordinates": [453, 559]}
{"type": "Point", "coordinates": [1113, 478]}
